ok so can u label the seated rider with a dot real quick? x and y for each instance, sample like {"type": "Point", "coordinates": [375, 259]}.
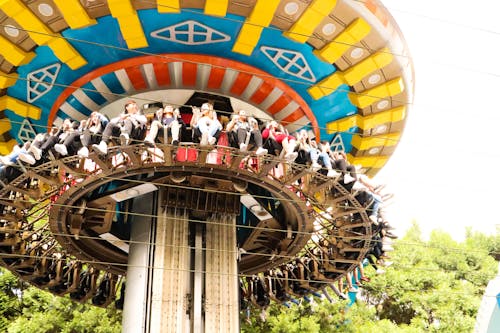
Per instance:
{"type": "Point", "coordinates": [91, 132]}
{"type": "Point", "coordinates": [44, 142]}
{"type": "Point", "coordinates": [279, 134]}
{"type": "Point", "coordinates": [318, 158]}
{"type": "Point", "coordinates": [69, 140]}
{"type": "Point", "coordinates": [128, 122]}
{"type": "Point", "coordinates": [364, 185]}
{"type": "Point", "coordinates": [168, 120]}
{"type": "Point", "coordinates": [340, 163]}
{"type": "Point", "coordinates": [206, 126]}
{"type": "Point", "coordinates": [11, 158]}
{"type": "Point", "coordinates": [246, 130]}
{"type": "Point", "coordinates": [8, 171]}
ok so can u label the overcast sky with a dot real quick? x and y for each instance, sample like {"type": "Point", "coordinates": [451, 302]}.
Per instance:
{"type": "Point", "coordinates": [444, 171]}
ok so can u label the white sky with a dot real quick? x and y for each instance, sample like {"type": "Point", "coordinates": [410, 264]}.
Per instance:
{"type": "Point", "coordinates": [444, 172]}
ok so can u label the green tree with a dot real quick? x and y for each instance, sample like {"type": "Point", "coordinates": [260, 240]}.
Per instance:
{"type": "Point", "coordinates": [9, 302]}
{"type": "Point", "coordinates": [320, 316]}
{"type": "Point", "coordinates": [27, 309]}
{"type": "Point", "coordinates": [433, 286]}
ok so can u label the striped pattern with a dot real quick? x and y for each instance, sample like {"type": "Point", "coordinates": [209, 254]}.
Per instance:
{"type": "Point", "coordinates": [216, 7]}
{"type": "Point", "coordinates": [379, 12]}
{"type": "Point", "coordinates": [14, 54]}
{"type": "Point", "coordinates": [41, 34]}
{"type": "Point", "coordinates": [168, 6]}
{"type": "Point", "coordinates": [344, 38]}
{"type": "Point", "coordinates": [19, 107]}
{"type": "Point", "coordinates": [74, 13]}
{"type": "Point", "coordinates": [130, 25]}
{"type": "Point", "coordinates": [250, 32]}
{"type": "Point", "coordinates": [278, 101]}
{"type": "Point", "coordinates": [303, 28]}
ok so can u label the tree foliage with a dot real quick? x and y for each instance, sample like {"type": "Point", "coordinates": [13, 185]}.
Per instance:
{"type": "Point", "coordinates": [433, 286]}
{"type": "Point", "coordinates": [27, 309]}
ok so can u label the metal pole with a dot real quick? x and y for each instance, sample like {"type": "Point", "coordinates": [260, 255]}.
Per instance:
{"type": "Point", "coordinates": [198, 281]}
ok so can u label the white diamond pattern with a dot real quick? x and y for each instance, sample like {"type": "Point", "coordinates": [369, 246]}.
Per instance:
{"type": "Point", "coordinates": [26, 132]}
{"type": "Point", "coordinates": [337, 144]}
{"type": "Point", "coordinates": [191, 33]}
{"type": "Point", "coordinates": [41, 81]}
{"type": "Point", "coordinates": [290, 62]}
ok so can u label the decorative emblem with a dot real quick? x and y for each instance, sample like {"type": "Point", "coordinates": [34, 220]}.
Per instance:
{"type": "Point", "coordinates": [337, 144]}
{"type": "Point", "coordinates": [26, 132]}
{"type": "Point", "coordinates": [41, 81]}
{"type": "Point", "coordinates": [290, 62]}
{"type": "Point", "coordinates": [191, 33]}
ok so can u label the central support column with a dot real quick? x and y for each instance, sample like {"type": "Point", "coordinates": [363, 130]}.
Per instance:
{"type": "Point", "coordinates": [171, 273]}
{"type": "Point", "coordinates": [221, 278]}
{"type": "Point", "coordinates": [190, 281]}
{"type": "Point", "coordinates": [198, 274]}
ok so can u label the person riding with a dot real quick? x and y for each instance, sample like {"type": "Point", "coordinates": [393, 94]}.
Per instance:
{"type": "Point", "coordinates": [129, 122]}
{"type": "Point", "coordinates": [43, 142]}
{"type": "Point", "coordinates": [246, 130]}
{"type": "Point", "coordinates": [318, 158]}
{"type": "Point", "coordinates": [92, 132]}
{"type": "Point", "coordinates": [278, 133]}
{"type": "Point", "coordinates": [206, 125]}
{"type": "Point", "coordinates": [166, 119]}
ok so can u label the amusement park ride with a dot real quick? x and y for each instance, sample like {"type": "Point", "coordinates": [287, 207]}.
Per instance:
{"type": "Point", "coordinates": [185, 224]}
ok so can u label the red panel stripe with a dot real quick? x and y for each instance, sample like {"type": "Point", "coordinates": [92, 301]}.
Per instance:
{"type": "Point", "coordinates": [383, 18]}
{"type": "Point", "coordinates": [371, 5]}
{"type": "Point", "coordinates": [294, 116]}
{"type": "Point", "coordinates": [279, 105]}
{"type": "Point", "coordinates": [377, 11]}
{"type": "Point", "coordinates": [211, 60]}
{"type": "Point", "coordinates": [162, 74]}
{"type": "Point", "coordinates": [216, 77]}
{"type": "Point", "coordinates": [189, 70]}
{"type": "Point", "coordinates": [135, 76]}
{"type": "Point", "coordinates": [240, 83]}
{"type": "Point", "coordinates": [260, 94]}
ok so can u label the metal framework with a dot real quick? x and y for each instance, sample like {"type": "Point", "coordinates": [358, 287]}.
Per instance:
{"type": "Point", "coordinates": [61, 226]}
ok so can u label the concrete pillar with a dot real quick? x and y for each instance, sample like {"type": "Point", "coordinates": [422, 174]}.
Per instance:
{"type": "Point", "coordinates": [135, 309]}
